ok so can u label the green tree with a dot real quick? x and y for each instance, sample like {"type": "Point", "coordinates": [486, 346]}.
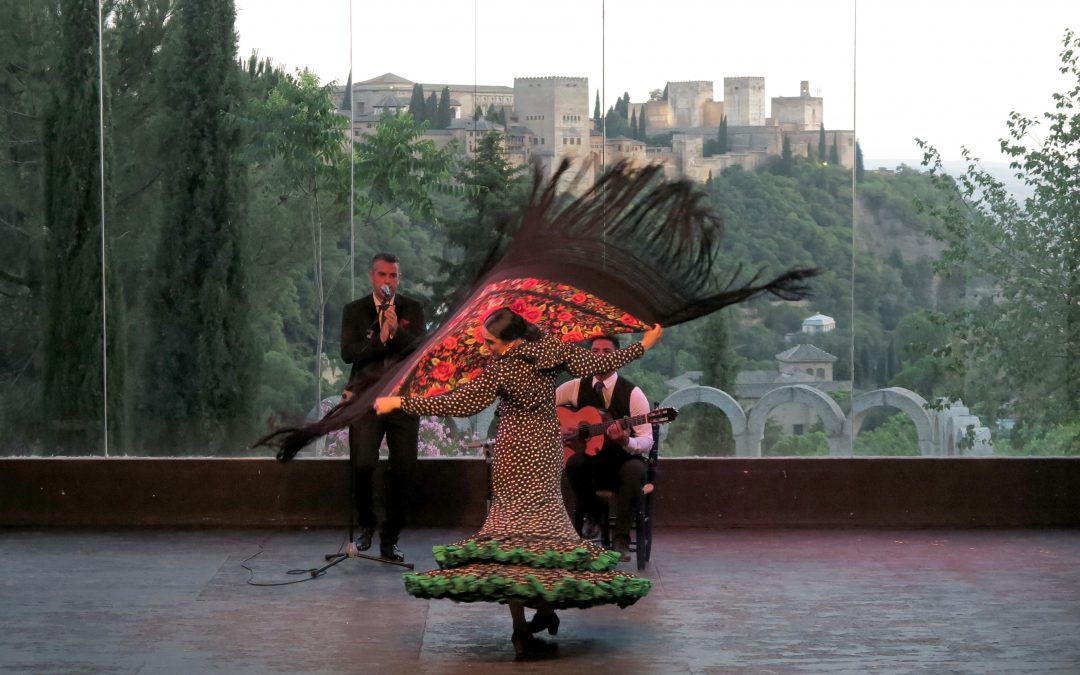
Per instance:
{"type": "Point", "coordinates": [312, 149]}
{"type": "Point", "coordinates": [643, 134]}
{"type": "Point", "coordinates": [596, 112]}
{"type": "Point", "coordinates": [495, 193]}
{"type": "Point", "coordinates": [723, 144]}
{"type": "Point", "coordinates": [1020, 334]}
{"type": "Point", "coordinates": [786, 161]}
{"type": "Point", "coordinates": [821, 144]}
{"type": "Point", "coordinates": [444, 109]}
{"type": "Point", "coordinates": [634, 132]}
{"type": "Point", "coordinates": [834, 154]}
{"type": "Point", "coordinates": [431, 110]}
{"type": "Point", "coordinates": [418, 104]}
{"type": "Point", "coordinates": [25, 99]}
{"type": "Point", "coordinates": [202, 357]}
{"type": "Point", "coordinates": [84, 346]}
{"type": "Point", "coordinates": [396, 169]}
{"type": "Point", "coordinates": [859, 170]}
{"type": "Point", "coordinates": [664, 95]}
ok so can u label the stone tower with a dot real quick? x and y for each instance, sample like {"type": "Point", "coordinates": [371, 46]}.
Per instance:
{"type": "Point", "coordinates": [556, 110]}
{"type": "Point", "coordinates": [744, 101]}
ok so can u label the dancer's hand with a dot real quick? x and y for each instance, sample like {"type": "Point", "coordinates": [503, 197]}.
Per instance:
{"type": "Point", "coordinates": [652, 336]}
{"type": "Point", "coordinates": [347, 394]}
{"type": "Point", "coordinates": [386, 404]}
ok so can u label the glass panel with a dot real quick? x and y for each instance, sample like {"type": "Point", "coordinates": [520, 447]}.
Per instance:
{"type": "Point", "coordinates": [966, 293]}
{"type": "Point", "coordinates": [52, 365]}
{"type": "Point", "coordinates": [757, 105]}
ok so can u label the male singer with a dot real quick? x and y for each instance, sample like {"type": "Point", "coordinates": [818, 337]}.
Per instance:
{"type": "Point", "coordinates": [373, 330]}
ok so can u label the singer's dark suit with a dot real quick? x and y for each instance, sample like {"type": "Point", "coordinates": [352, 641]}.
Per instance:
{"type": "Point", "coordinates": [362, 347]}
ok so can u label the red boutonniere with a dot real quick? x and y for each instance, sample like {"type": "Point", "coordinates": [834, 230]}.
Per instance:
{"type": "Point", "coordinates": [403, 322]}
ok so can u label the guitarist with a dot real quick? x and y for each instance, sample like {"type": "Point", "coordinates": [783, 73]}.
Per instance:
{"type": "Point", "coordinates": [620, 464]}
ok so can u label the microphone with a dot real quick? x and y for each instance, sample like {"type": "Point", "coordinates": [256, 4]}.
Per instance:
{"type": "Point", "coordinates": [385, 290]}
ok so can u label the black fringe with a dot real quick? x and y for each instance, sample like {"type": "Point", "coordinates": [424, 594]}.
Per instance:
{"type": "Point", "coordinates": [642, 243]}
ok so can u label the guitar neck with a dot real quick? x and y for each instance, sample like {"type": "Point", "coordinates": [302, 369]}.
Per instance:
{"type": "Point", "coordinates": [624, 422]}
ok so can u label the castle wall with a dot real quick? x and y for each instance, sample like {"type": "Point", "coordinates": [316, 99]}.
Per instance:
{"type": "Point", "coordinates": [712, 113]}
{"type": "Point", "coordinates": [845, 144]}
{"type": "Point", "coordinates": [687, 100]}
{"type": "Point", "coordinates": [797, 113]}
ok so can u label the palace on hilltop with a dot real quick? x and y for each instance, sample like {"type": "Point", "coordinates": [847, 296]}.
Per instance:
{"type": "Point", "coordinates": [546, 119]}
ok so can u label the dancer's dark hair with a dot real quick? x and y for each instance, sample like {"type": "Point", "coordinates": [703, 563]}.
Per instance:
{"type": "Point", "coordinates": [507, 325]}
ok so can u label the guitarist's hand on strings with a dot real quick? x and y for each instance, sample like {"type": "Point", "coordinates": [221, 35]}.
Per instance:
{"type": "Point", "coordinates": [652, 336]}
{"type": "Point", "coordinates": [616, 433]}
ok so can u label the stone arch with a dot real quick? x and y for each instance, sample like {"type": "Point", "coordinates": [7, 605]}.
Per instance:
{"type": "Point", "coordinates": [832, 417]}
{"type": "Point", "coordinates": [712, 396]}
{"type": "Point", "coordinates": [904, 400]}
{"type": "Point", "coordinates": [722, 400]}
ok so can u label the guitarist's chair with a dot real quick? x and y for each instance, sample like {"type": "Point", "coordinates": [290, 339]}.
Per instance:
{"type": "Point", "coordinates": [641, 541]}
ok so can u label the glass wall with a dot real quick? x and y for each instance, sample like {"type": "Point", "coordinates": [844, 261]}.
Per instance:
{"type": "Point", "coordinates": [179, 237]}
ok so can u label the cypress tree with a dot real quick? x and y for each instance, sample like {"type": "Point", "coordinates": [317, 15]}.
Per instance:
{"type": "Point", "coordinates": [859, 169]}
{"type": "Point", "coordinates": [665, 91]}
{"type": "Point", "coordinates": [596, 110]}
{"type": "Point", "coordinates": [821, 144]}
{"type": "Point", "coordinates": [634, 125]}
{"type": "Point", "coordinates": [418, 103]}
{"type": "Point", "coordinates": [834, 153]}
{"type": "Point", "coordinates": [643, 133]}
{"type": "Point", "coordinates": [722, 137]}
{"type": "Point", "coordinates": [444, 109]}
{"type": "Point", "coordinates": [202, 361]}
{"type": "Point", "coordinates": [75, 363]}
{"type": "Point", "coordinates": [431, 109]}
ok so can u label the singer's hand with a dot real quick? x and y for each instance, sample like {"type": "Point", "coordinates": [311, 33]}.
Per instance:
{"type": "Point", "coordinates": [390, 318]}
{"type": "Point", "coordinates": [652, 336]}
{"type": "Point", "coordinates": [386, 404]}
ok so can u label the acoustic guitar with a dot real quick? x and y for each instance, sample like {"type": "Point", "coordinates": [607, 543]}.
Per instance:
{"type": "Point", "coordinates": [583, 428]}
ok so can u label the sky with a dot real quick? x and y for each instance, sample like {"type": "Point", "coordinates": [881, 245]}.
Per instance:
{"type": "Point", "coordinates": [947, 71]}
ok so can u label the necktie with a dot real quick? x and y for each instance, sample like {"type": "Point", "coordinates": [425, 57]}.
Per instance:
{"type": "Point", "coordinates": [598, 386]}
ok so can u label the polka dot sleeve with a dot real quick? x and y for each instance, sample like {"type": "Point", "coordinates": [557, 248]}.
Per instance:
{"type": "Point", "coordinates": [581, 362]}
{"type": "Point", "coordinates": [468, 399]}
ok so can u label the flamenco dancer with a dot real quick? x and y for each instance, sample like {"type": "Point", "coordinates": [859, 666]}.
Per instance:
{"type": "Point", "coordinates": [632, 254]}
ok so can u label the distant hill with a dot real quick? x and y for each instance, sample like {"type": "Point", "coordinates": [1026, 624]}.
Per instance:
{"type": "Point", "coordinates": [999, 170]}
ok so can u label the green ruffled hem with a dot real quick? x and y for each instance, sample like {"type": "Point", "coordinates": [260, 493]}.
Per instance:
{"type": "Point", "coordinates": [453, 555]}
{"type": "Point", "coordinates": [569, 592]}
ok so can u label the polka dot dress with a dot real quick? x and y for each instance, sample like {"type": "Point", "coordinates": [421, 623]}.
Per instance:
{"type": "Point", "coordinates": [528, 549]}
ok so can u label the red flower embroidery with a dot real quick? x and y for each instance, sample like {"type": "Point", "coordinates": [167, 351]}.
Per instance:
{"type": "Point", "coordinates": [444, 371]}
{"type": "Point", "coordinates": [518, 306]}
{"type": "Point", "coordinates": [529, 283]}
{"type": "Point", "coordinates": [532, 314]}
{"type": "Point", "coordinates": [565, 316]}
{"type": "Point", "coordinates": [574, 336]}
{"type": "Point", "coordinates": [450, 342]}
{"type": "Point", "coordinates": [628, 320]}
{"type": "Point", "coordinates": [578, 298]}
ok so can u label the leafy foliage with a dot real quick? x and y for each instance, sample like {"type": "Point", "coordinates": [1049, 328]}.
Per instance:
{"type": "Point", "coordinates": [1017, 339]}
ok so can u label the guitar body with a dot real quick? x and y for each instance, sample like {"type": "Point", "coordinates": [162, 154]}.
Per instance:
{"type": "Point", "coordinates": [576, 426]}
{"type": "Point", "coordinates": [584, 429]}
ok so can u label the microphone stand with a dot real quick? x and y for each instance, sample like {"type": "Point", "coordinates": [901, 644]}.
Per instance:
{"type": "Point", "coordinates": [350, 548]}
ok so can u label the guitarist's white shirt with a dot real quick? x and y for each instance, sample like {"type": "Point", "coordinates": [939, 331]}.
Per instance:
{"type": "Point", "coordinates": [641, 440]}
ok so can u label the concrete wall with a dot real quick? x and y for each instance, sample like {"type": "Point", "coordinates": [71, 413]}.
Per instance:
{"type": "Point", "coordinates": [894, 492]}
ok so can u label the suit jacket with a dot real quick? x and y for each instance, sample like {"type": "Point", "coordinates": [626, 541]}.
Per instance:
{"type": "Point", "coordinates": [360, 343]}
